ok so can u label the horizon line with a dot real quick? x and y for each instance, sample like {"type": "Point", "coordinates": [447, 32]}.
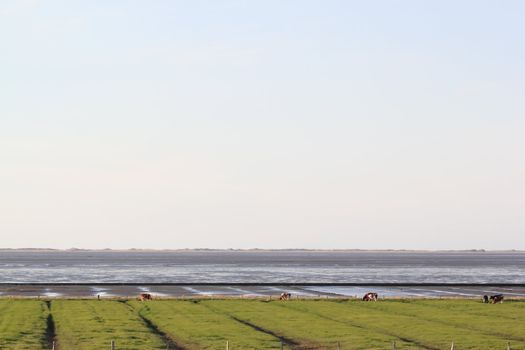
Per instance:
{"type": "Point", "coordinates": [73, 249]}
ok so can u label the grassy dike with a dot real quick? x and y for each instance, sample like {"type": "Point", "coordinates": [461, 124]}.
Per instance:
{"type": "Point", "coordinates": [260, 324]}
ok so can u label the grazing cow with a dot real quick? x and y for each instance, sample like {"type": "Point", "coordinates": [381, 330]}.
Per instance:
{"type": "Point", "coordinates": [145, 296]}
{"type": "Point", "coordinates": [370, 296]}
{"type": "Point", "coordinates": [498, 298]}
{"type": "Point", "coordinates": [486, 299]}
{"type": "Point", "coordinates": [285, 296]}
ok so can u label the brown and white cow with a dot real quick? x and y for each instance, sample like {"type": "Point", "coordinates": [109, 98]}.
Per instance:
{"type": "Point", "coordinates": [285, 296]}
{"type": "Point", "coordinates": [370, 296]}
{"type": "Point", "coordinates": [145, 296]}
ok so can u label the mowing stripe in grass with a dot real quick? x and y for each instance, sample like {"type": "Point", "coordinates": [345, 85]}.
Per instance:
{"type": "Point", "coordinates": [367, 328]}
{"type": "Point", "coordinates": [50, 334]}
{"type": "Point", "coordinates": [92, 324]}
{"type": "Point", "coordinates": [508, 310]}
{"type": "Point", "coordinates": [287, 341]}
{"type": "Point", "coordinates": [292, 343]}
{"type": "Point", "coordinates": [427, 331]}
{"type": "Point", "coordinates": [484, 324]}
{"type": "Point", "coordinates": [170, 342]}
{"type": "Point", "coordinates": [197, 327]}
{"type": "Point", "coordinates": [307, 329]}
{"type": "Point", "coordinates": [284, 340]}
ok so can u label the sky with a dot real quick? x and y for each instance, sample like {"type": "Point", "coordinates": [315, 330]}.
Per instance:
{"type": "Point", "coordinates": [269, 124]}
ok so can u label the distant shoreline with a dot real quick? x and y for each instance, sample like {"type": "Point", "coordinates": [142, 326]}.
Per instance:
{"type": "Point", "coordinates": [255, 250]}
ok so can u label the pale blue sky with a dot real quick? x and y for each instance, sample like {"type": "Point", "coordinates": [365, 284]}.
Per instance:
{"type": "Point", "coordinates": [271, 124]}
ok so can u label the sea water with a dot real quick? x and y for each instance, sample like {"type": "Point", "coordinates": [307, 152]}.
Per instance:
{"type": "Point", "coordinates": [230, 266]}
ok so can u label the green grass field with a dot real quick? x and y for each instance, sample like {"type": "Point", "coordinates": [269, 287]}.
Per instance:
{"type": "Point", "coordinates": [23, 324]}
{"type": "Point", "coordinates": [260, 324]}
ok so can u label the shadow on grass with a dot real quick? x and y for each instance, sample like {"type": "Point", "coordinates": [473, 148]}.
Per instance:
{"type": "Point", "coordinates": [153, 328]}
{"type": "Point", "coordinates": [50, 335]}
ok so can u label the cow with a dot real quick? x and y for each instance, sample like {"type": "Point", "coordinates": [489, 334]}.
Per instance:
{"type": "Point", "coordinates": [370, 296]}
{"type": "Point", "coordinates": [495, 299]}
{"type": "Point", "coordinates": [285, 296]}
{"type": "Point", "coordinates": [145, 296]}
{"type": "Point", "coordinates": [485, 299]}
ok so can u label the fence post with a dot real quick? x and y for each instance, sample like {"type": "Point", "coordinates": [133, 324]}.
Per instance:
{"type": "Point", "coordinates": [281, 345]}
{"type": "Point", "coordinates": [53, 348]}
{"type": "Point", "coordinates": [508, 345]}
{"type": "Point", "coordinates": [227, 345]}
{"type": "Point", "coordinates": [452, 346]}
{"type": "Point", "coordinates": [394, 345]}
{"type": "Point", "coordinates": [338, 346]}
{"type": "Point", "coordinates": [112, 345]}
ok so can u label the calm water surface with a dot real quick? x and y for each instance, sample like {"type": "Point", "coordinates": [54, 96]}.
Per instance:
{"type": "Point", "coordinates": [261, 266]}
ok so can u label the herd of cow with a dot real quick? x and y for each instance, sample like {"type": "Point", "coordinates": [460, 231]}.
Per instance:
{"type": "Point", "coordinates": [493, 299]}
